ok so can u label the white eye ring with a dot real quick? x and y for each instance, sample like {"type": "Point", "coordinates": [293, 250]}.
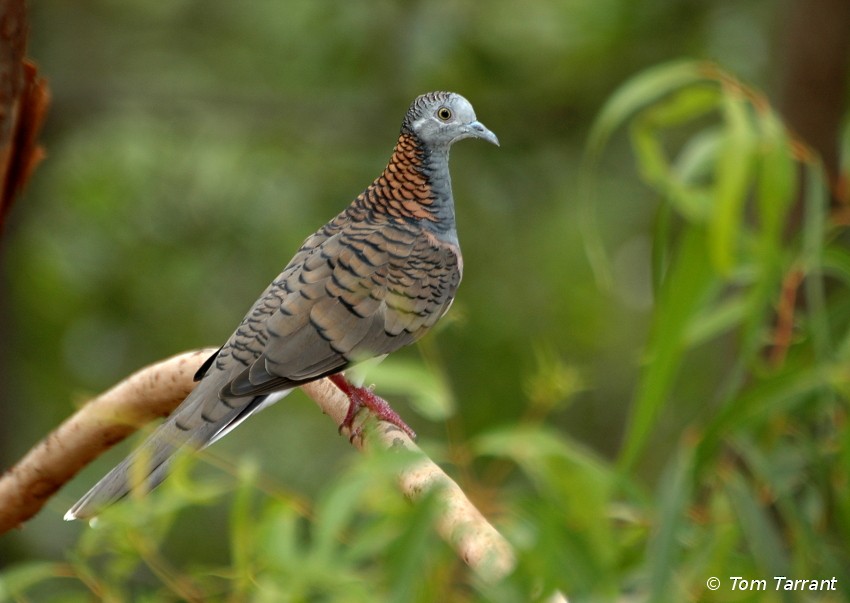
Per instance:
{"type": "Point", "coordinates": [444, 113]}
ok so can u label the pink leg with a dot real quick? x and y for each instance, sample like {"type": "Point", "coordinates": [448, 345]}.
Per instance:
{"type": "Point", "coordinates": [359, 397]}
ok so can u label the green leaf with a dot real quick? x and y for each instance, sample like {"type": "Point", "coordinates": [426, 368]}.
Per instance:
{"type": "Point", "coordinates": [683, 105]}
{"type": "Point", "coordinates": [675, 183]}
{"type": "Point", "coordinates": [573, 499]}
{"type": "Point", "coordinates": [243, 528]}
{"type": "Point", "coordinates": [674, 494]}
{"type": "Point", "coordinates": [758, 528]}
{"type": "Point", "coordinates": [527, 445]}
{"type": "Point", "coordinates": [16, 580]}
{"type": "Point", "coordinates": [691, 200]}
{"type": "Point", "coordinates": [682, 293]}
{"type": "Point", "coordinates": [649, 152]}
{"type": "Point", "coordinates": [694, 168]}
{"type": "Point", "coordinates": [836, 263]}
{"type": "Point", "coordinates": [717, 319]}
{"type": "Point", "coordinates": [278, 537]}
{"type": "Point", "coordinates": [429, 394]}
{"type": "Point", "coordinates": [336, 509]}
{"type": "Point", "coordinates": [696, 161]}
{"type": "Point", "coordinates": [735, 164]}
{"type": "Point", "coordinates": [777, 182]}
{"type": "Point", "coordinates": [763, 399]}
{"type": "Point", "coordinates": [639, 92]}
{"type": "Point", "coordinates": [815, 206]}
{"type": "Point", "coordinates": [412, 551]}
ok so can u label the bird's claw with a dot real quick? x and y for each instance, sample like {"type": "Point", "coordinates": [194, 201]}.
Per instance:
{"type": "Point", "coordinates": [354, 406]}
{"type": "Point", "coordinates": [358, 397]}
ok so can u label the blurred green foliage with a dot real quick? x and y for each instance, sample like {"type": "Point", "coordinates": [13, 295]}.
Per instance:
{"type": "Point", "coordinates": [607, 387]}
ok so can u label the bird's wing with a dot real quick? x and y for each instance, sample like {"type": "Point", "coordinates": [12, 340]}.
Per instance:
{"type": "Point", "coordinates": [364, 292]}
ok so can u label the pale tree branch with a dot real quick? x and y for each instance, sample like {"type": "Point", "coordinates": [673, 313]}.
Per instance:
{"type": "Point", "coordinates": [156, 390]}
{"type": "Point", "coordinates": [460, 524]}
{"type": "Point", "coordinates": [147, 394]}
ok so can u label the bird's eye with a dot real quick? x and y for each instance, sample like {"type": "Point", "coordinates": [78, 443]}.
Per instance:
{"type": "Point", "coordinates": [444, 113]}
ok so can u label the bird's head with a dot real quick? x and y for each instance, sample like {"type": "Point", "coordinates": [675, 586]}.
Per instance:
{"type": "Point", "coordinates": [440, 119]}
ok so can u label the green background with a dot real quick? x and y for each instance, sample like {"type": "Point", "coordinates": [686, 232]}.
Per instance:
{"type": "Point", "coordinates": [192, 146]}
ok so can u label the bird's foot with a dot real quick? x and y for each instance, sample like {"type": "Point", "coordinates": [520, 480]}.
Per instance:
{"type": "Point", "coordinates": [358, 397]}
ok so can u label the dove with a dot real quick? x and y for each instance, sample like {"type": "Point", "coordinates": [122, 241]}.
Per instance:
{"type": "Point", "coordinates": [375, 278]}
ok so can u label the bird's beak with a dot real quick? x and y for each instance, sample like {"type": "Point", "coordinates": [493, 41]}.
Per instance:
{"type": "Point", "coordinates": [478, 130]}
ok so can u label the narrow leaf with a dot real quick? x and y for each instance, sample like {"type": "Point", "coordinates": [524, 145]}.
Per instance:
{"type": "Point", "coordinates": [687, 283]}
{"type": "Point", "coordinates": [674, 492]}
{"type": "Point", "coordinates": [734, 170]}
{"type": "Point", "coordinates": [636, 94]}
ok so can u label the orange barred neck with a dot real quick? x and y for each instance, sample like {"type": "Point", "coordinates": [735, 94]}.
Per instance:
{"type": "Point", "coordinates": [414, 186]}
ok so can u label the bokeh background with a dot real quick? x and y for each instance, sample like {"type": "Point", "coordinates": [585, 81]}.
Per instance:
{"type": "Point", "coordinates": [193, 144]}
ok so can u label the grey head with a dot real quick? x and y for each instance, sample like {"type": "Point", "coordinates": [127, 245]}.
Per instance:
{"type": "Point", "coordinates": [439, 119]}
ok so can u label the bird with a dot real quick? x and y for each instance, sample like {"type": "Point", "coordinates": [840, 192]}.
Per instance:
{"type": "Point", "coordinates": [373, 279]}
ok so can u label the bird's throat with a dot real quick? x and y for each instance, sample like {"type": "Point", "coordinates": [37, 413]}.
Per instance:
{"type": "Point", "coordinates": [415, 186]}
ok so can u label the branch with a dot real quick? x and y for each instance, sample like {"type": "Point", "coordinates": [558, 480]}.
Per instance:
{"type": "Point", "coordinates": [156, 390]}
{"type": "Point", "coordinates": [462, 525]}
{"type": "Point", "coordinates": [24, 97]}
{"type": "Point", "coordinates": [148, 394]}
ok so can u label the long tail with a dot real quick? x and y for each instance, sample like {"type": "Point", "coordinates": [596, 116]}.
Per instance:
{"type": "Point", "coordinates": [147, 466]}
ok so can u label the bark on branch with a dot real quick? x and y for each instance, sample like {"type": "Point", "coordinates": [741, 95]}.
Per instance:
{"type": "Point", "coordinates": [150, 393]}
{"type": "Point", "coordinates": [24, 97]}
{"type": "Point", "coordinates": [156, 390]}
